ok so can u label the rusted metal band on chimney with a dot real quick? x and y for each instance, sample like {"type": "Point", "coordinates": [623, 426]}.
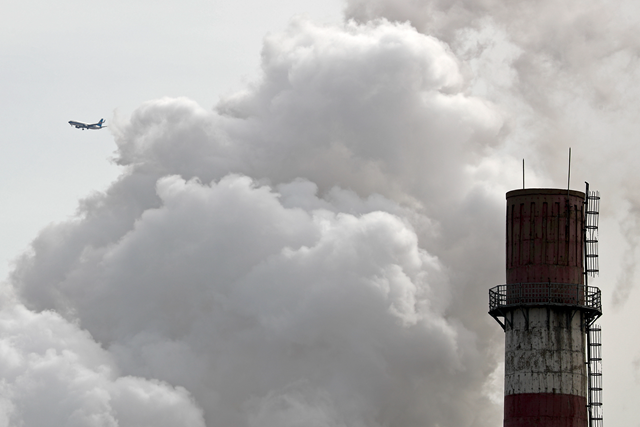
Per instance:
{"type": "Point", "coordinates": [544, 236]}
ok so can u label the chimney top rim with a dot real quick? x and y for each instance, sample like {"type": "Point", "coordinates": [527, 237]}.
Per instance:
{"type": "Point", "coordinates": [544, 192]}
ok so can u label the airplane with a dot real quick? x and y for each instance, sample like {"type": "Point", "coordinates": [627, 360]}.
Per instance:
{"type": "Point", "coordinates": [84, 126]}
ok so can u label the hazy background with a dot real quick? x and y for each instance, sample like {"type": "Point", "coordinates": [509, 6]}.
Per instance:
{"type": "Point", "coordinates": [297, 210]}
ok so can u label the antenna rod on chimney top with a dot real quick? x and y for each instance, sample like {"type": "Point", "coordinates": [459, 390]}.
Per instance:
{"type": "Point", "coordinates": [569, 174]}
{"type": "Point", "coordinates": [523, 174]}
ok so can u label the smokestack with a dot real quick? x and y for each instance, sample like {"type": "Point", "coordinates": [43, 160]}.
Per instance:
{"type": "Point", "coordinates": [547, 311]}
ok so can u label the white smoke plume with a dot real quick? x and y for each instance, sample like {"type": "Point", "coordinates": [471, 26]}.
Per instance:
{"type": "Point", "coordinates": [265, 256]}
{"type": "Point", "coordinates": [56, 374]}
{"type": "Point", "coordinates": [564, 74]}
{"type": "Point", "coordinates": [317, 250]}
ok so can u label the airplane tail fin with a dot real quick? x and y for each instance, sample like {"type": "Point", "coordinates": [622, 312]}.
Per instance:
{"type": "Point", "coordinates": [101, 122]}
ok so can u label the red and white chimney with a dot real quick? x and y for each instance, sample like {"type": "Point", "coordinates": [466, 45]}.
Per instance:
{"type": "Point", "coordinates": [546, 310]}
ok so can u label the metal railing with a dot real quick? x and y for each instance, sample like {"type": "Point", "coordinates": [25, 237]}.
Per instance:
{"type": "Point", "coordinates": [545, 293]}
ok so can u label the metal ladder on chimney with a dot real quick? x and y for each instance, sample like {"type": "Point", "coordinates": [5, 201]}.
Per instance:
{"type": "Point", "coordinates": [594, 371]}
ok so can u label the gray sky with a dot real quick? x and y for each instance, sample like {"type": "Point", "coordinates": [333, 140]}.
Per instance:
{"type": "Point", "coordinates": [296, 212]}
{"type": "Point", "coordinates": [75, 61]}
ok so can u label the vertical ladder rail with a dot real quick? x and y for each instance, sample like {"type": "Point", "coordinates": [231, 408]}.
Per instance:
{"type": "Point", "coordinates": [591, 220]}
{"type": "Point", "coordinates": [594, 372]}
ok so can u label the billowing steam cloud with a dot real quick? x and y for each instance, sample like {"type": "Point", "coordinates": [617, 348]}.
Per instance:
{"type": "Point", "coordinates": [260, 256]}
{"type": "Point", "coordinates": [316, 251]}
{"type": "Point", "coordinates": [563, 74]}
{"type": "Point", "coordinates": [55, 374]}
